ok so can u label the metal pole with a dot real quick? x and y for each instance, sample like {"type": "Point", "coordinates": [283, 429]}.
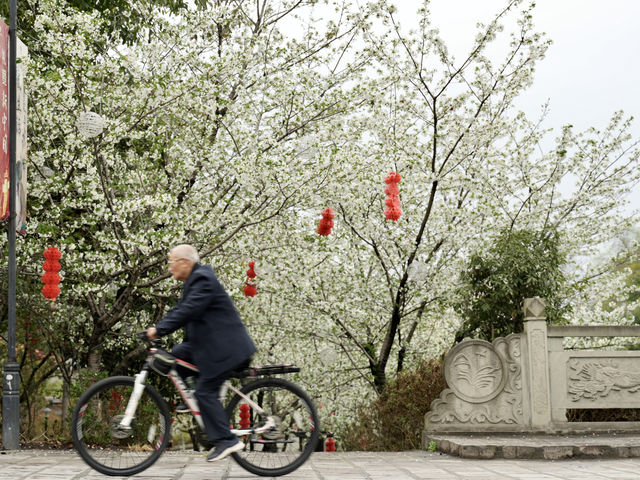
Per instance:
{"type": "Point", "coordinates": [11, 383]}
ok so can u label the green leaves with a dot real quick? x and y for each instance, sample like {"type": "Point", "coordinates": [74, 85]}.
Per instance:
{"type": "Point", "coordinates": [518, 265]}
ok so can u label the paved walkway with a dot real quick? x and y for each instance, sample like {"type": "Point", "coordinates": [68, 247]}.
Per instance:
{"type": "Point", "coordinates": [416, 465]}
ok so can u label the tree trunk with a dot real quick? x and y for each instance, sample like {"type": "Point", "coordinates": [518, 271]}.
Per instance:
{"type": "Point", "coordinates": [379, 377]}
{"type": "Point", "coordinates": [401, 354]}
{"type": "Point", "coordinates": [95, 359]}
{"type": "Point", "coordinates": [65, 405]}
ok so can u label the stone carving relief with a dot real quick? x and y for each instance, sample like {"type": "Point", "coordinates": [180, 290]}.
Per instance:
{"type": "Point", "coordinates": [485, 385]}
{"type": "Point", "coordinates": [595, 379]}
{"type": "Point", "coordinates": [475, 371]}
{"type": "Point", "coordinates": [539, 371]}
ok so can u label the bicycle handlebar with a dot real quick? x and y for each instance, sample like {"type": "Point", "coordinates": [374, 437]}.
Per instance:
{"type": "Point", "coordinates": [142, 336]}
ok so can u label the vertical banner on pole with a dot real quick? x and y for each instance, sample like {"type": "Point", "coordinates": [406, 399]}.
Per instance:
{"type": "Point", "coordinates": [22, 54]}
{"type": "Point", "coordinates": [4, 121]}
{"type": "Point", "coordinates": [11, 380]}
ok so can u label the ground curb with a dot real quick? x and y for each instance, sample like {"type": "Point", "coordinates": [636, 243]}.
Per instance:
{"type": "Point", "coordinates": [536, 447]}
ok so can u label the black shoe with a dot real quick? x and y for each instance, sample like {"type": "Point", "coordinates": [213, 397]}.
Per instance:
{"type": "Point", "coordinates": [182, 408]}
{"type": "Point", "coordinates": [224, 449]}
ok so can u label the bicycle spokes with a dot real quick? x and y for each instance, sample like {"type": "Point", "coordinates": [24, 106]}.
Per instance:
{"type": "Point", "coordinates": [106, 442]}
{"type": "Point", "coordinates": [281, 438]}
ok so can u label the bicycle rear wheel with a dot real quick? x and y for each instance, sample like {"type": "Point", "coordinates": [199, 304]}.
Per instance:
{"type": "Point", "coordinates": [286, 446]}
{"type": "Point", "coordinates": [107, 447]}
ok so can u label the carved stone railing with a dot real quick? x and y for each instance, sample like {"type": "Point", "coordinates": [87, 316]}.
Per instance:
{"type": "Point", "coordinates": [525, 382]}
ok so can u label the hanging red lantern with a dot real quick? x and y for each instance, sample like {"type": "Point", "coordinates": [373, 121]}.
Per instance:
{"type": "Point", "coordinates": [251, 273]}
{"type": "Point", "coordinates": [326, 222]}
{"type": "Point", "coordinates": [51, 292]}
{"type": "Point", "coordinates": [52, 253]}
{"type": "Point", "coordinates": [392, 190]}
{"type": "Point", "coordinates": [393, 177]}
{"type": "Point", "coordinates": [330, 444]}
{"type": "Point", "coordinates": [245, 415]}
{"type": "Point", "coordinates": [393, 211]}
{"type": "Point", "coordinates": [250, 289]}
{"type": "Point", "coordinates": [51, 279]}
{"type": "Point", "coordinates": [51, 266]}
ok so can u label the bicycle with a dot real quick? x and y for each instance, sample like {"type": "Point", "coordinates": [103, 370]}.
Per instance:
{"type": "Point", "coordinates": [121, 425]}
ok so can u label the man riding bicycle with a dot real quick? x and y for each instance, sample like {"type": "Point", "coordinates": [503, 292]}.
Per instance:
{"type": "Point", "coordinates": [215, 340]}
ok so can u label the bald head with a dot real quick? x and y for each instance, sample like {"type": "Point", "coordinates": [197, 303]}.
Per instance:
{"type": "Point", "coordinates": [181, 261]}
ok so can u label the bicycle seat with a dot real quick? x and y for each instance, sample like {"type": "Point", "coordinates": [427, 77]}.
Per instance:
{"type": "Point", "coordinates": [264, 370]}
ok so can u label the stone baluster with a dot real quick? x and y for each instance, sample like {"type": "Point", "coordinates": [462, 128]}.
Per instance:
{"type": "Point", "coordinates": [535, 328]}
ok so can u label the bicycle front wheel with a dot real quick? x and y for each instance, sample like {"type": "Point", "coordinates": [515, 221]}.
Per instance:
{"type": "Point", "coordinates": [100, 439]}
{"type": "Point", "coordinates": [288, 444]}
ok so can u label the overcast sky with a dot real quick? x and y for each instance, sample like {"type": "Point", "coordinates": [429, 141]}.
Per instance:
{"type": "Point", "coordinates": [591, 70]}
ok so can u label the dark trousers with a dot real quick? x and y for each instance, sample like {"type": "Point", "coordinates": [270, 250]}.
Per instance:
{"type": "Point", "coordinates": [212, 411]}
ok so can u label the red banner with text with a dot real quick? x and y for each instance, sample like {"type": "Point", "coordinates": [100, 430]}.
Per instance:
{"type": "Point", "coordinates": [4, 120]}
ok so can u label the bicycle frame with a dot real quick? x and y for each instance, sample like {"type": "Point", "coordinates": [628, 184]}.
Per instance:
{"type": "Point", "coordinates": [189, 397]}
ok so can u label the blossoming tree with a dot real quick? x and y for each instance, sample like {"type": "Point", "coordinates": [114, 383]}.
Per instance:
{"type": "Point", "coordinates": [376, 293]}
{"type": "Point", "coordinates": [207, 120]}
{"type": "Point", "coordinates": [229, 129]}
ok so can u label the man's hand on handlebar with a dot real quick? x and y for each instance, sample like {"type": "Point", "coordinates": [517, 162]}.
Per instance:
{"type": "Point", "coordinates": [152, 333]}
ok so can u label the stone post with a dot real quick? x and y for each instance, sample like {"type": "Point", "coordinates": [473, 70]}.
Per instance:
{"type": "Point", "coordinates": [535, 329]}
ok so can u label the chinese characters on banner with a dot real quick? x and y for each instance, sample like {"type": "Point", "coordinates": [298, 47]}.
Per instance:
{"type": "Point", "coordinates": [4, 121]}
{"type": "Point", "coordinates": [21, 129]}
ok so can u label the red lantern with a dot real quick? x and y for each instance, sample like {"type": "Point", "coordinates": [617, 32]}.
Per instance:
{"type": "Point", "coordinates": [52, 253]}
{"type": "Point", "coordinates": [51, 266]}
{"type": "Point", "coordinates": [326, 223]}
{"type": "Point", "coordinates": [250, 289]}
{"type": "Point", "coordinates": [245, 415]}
{"type": "Point", "coordinates": [330, 445]}
{"type": "Point", "coordinates": [393, 177]}
{"type": "Point", "coordinates": [51, 292]}
{"type": "Point", "coordinates": [392, 212]}
{"type": "Point", "coordinates": [392, 189]}
{"type": "Point", "coordinates": [51, 279]}
{"type": "Point", "coordinates": [251, 273]}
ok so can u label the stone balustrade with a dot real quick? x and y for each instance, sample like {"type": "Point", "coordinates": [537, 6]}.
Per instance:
{"type": "Point", "coordinates": [525, 382]}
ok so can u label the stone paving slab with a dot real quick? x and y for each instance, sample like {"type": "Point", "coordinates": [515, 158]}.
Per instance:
{"type": "Point", "coordinates": [548, 447]}
{"type": "Point", "coordinates": [414, 465]}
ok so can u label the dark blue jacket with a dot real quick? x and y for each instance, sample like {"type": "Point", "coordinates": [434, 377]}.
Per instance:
{"type": "Point", "coordinates": [213, 328]}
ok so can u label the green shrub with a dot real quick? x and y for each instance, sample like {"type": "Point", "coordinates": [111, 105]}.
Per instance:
{"type": "Point", "coordinates": [395, 419]}
{"type": "Point", "coordinates": [519, 265]}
